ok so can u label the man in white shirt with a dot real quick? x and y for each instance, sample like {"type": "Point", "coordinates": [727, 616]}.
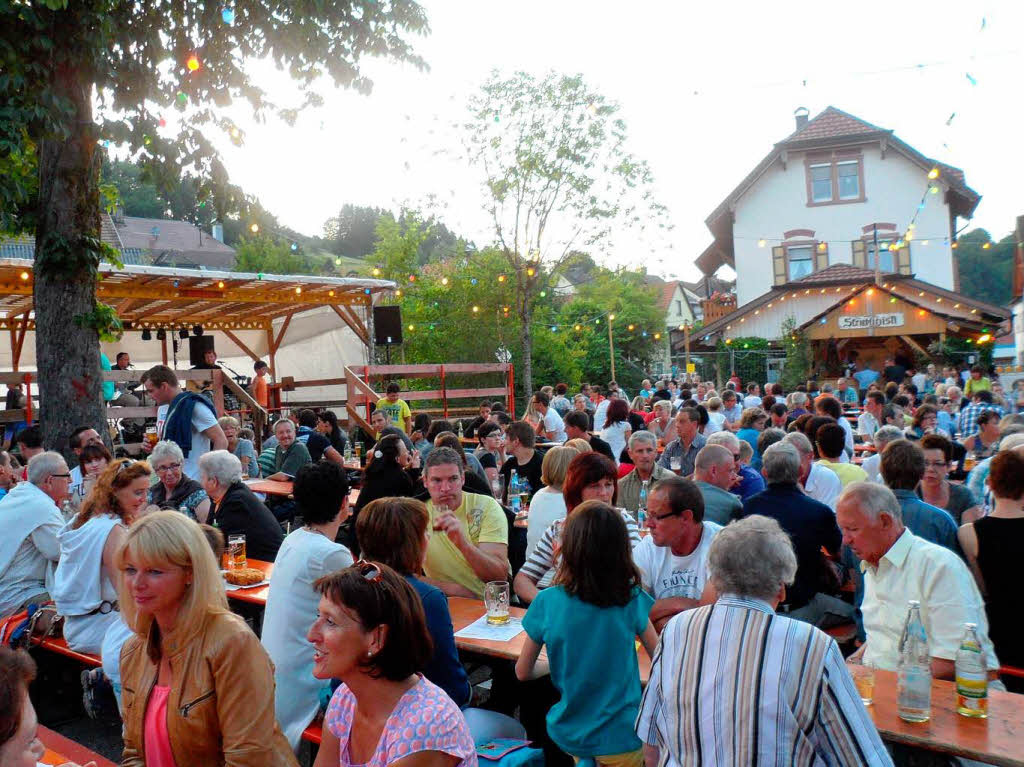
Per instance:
{"type": "Point", "coordinates": [551, 427]}
{"type": "Point", "coordinates": [819, 482]}
{"type": "Point", "coordinates": [601, 414]}
{"type": "Point", "coordinates": [32, 519]}
{"type": "Point", "coordinates": [753, 398]}
{"type": "Point", "coordinates": [869, 421]}
{"type": "Point", "coordinates": [673, 559]}
{"type": "Point", "coordinates": [162, 385]}
{"type": "Point", "coordinates": [80, 437]}
{"type": "Point", "coordinates": [899, 567]}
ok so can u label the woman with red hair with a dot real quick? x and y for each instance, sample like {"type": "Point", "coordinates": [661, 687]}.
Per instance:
{"type": "Point", "coordinates": [590, 477]}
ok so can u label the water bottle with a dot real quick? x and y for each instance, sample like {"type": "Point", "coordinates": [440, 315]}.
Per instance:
{"type": "Point", "coordinates": [460, 430]}
{"type": "Point", "coordinates": [348, 452]}
{"type": "Point", "coordinates": [641, 509]}
{"type": "Point", "coordinates": [914, 680]}
{"type": "Point", "coordinates": [971, 676]}
{"type": "Point", "coordinates": [513, 492]}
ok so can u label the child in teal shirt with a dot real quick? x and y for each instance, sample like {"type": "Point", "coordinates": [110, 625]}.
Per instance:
{"type": "Point", "coordinates": [589, 620]}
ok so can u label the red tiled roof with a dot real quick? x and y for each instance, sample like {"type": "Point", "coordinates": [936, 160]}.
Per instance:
{"type": "Point", "coordinates": [838, 272]}
{"type": "Point", "coordinates": [833, 123]}
{"type": "Point", "coordinates": [667, 291]}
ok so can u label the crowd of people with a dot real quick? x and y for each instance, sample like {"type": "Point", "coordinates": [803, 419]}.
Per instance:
{"type": "Point", "coordinates": [676, 517]}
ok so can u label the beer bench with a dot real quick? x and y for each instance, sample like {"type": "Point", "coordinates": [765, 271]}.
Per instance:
{"type": "Point", "coordinates": [312, 734]}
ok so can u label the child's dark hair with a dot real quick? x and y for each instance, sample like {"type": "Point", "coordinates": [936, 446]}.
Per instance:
{"type": "Point", "coordinates": [597, 559]}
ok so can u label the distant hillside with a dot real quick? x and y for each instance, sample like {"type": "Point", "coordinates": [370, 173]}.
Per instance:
{"type": "Point", "coordinates": [985, 274]}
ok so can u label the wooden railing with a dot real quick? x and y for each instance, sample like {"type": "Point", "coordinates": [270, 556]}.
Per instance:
{"type": "Point", "coordinates": [718, 308]}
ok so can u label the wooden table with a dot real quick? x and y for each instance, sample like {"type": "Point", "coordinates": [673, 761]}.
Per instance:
{"type": "Point", "coordinates": [996, 740]}
{"type": "Point", "coordinates": [60, 750]}
{"type": "Point", "coordinates": [269, 487]}
{"type": "Point", "coordinates": [465, 611]}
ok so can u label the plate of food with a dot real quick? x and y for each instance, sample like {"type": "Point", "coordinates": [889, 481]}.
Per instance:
{"type": "Point", "coordinates": [244, 578]}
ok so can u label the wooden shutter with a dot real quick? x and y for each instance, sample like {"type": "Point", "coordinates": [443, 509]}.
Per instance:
{"type": "Point", "coordinates": [779, 264]}
{"type": "Point", "coordinates": [903, 259]}
{"type": "Point", "coordinates": [860, 254]}
{"type": "Point", "coordinates": [820, 256]}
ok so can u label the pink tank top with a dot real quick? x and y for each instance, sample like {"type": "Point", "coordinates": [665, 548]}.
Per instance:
{"type": "Point", "coordinates": [154, 733]}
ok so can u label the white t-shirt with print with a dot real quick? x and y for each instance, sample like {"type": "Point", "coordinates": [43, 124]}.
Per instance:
{"type": "Point", "coordinates": [202, 419]}
{"type": "Point", "coordinates": [666, 575]}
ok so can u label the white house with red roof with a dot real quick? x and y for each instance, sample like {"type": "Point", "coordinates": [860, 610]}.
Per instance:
{"type": "Point", "coordinates": [849, 231]}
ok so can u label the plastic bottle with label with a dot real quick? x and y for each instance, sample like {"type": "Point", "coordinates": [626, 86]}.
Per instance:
{"type": "Point", "coordinates": [971, 676]}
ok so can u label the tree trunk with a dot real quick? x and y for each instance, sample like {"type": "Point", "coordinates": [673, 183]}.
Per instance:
{"type": "Point", "coordinates": [68, 356]}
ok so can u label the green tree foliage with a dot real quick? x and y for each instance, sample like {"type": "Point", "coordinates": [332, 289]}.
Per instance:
{"type": "Point", "coordinates": [985, 273]}
{"type": "Point", "coordinates": [268, 255]}
{"type": "Point", "coordinates": [556, 177]}
{"type": "Point", "coordinates": [799, 356]}
{"type": "Point", "coordinates": [353, 232]}
{"type": "Point", "coordinates": [74, 74]}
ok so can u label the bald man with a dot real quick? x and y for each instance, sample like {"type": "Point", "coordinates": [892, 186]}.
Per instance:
{"type": "Point", "coordinates": [715, 473]}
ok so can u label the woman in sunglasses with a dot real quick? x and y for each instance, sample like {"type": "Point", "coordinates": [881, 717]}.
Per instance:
{"type": "Point", "coordinates": [198, 685]}
{"type": "Point", "coordinates": [371, 634]}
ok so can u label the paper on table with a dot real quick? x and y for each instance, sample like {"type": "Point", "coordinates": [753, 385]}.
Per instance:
{"type": "Point", "coordinates": [481, 629]}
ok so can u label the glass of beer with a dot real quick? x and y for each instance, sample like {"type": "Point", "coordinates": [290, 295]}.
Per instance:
{"type": "Point", "coordinates": [676, 463]}
{"type": "Point", "coordinates": [236, 551]}
{"type": "Point", "coordinates": [496, 599]}
{"type": "Point", "coordinates": [359, 451]}
{"type": "Point", "coordinates": [864, 678]}
{"type": "Point", "coordinates": [151, 436]}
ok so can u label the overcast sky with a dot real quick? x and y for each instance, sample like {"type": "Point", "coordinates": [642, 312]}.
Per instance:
{"type": "Point", "coordinates": [705, 88]}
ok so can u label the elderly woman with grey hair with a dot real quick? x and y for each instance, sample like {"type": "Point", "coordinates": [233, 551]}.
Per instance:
{"type": "Point", "coordinates": [722, 684]}
{"type": "Point", "coordinates": [174, 490]}
{"type": "Point", "coordinates": [236, 508]}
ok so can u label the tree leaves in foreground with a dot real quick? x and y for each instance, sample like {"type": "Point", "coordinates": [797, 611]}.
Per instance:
{"type": "Point", "coordinates": [155, 78]}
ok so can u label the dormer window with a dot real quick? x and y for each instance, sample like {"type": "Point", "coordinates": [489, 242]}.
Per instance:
{"type": "Point", "coordinates": [835, 177]}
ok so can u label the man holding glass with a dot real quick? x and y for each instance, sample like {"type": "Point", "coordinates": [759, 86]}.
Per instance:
{"type": "Point", "coordinates": [681, 453]}
{"type": "Point", "coordinates": [468, 533]}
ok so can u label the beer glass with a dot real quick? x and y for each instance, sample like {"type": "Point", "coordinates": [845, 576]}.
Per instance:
{"type": "Point", "coordinates": [496, 595]}
{"type": "Point", "coordinates": [236, 551]}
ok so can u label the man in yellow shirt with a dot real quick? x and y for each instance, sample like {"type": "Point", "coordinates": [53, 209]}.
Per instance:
{"type": "Point", "coordinates": [467, 542]}
{"type": "Point", "coordinates": [831, 440]}
{"type": "Point", "coordinates": [397, 410]}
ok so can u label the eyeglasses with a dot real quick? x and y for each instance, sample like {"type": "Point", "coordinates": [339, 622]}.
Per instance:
{"type": "Point", "coordinates": [935, 464]}
{"type": "Point", "coordinates": [369, 570]}
{"type": "Point", "coordinates": [659, 517]}
{"type": "Point", "coordinates": [168, 467]}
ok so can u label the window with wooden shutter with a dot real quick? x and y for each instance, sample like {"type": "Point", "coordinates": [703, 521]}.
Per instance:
{"type": "Point", "coordinates": [860, 254]}
{"type": "Point", "coordinates": [779, 264]}
{"type": "Point", "coordinates": [821, 256]}
{"type": "Point", "coordinates": [903, 259]}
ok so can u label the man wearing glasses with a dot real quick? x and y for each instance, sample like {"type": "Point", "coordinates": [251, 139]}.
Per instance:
{"type": "Point", "coordinates": [673, 559]}
{"type": "Point", "coordinates": [32, 519]}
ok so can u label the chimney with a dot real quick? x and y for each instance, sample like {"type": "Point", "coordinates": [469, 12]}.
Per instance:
{"type": "Point", "coordinates": [217, 230]}
{"type": "Point", "coordinates": [800, 113]}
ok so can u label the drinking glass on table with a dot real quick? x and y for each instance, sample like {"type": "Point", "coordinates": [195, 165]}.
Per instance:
{"type": "Point", "coordinates": [236, 551]}
{"type": "Point", "coordinates": [864, 678]}
{"type": "Point", "coordinates": [498, 487]}
{"type": "Point", "coordinates": [496, 596]}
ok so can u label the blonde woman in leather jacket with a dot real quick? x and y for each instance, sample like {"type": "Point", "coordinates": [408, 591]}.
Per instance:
{"type": "Point", "coordinates": [197, 686]}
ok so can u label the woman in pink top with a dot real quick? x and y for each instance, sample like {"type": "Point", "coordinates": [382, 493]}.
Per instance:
{"type": "Point", "coordinates": [371, 634]}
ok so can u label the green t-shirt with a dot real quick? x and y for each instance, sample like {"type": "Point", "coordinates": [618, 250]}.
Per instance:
{"type": "Point", "coordinates": [291, 460]}
{"type": "Point", "coordinates": [396, 411]}
{"type": "Point", "coordinates": [594, 665]}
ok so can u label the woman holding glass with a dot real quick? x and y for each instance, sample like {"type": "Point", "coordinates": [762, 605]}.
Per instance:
{"type": "Point", "coordinates": [590, 477]}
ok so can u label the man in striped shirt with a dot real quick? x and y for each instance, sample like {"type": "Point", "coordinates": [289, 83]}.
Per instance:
{"type": "Point", "coordinates": [734, 683]}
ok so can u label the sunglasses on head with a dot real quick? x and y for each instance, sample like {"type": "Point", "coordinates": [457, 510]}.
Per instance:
{"type": "Point", "coordinates": [369, 570]}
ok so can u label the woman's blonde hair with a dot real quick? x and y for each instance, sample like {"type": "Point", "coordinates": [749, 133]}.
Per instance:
{"type": "Point", "coordinates": [228, 420]}
{"type": "Point", "coordinates": [102, 500]}
{"type": "Point", "coordinates": [579, 444]}
{"type": "Point", "coordinates": [555, 464]}
{"type": "Point", "coordinates": [165, 538]}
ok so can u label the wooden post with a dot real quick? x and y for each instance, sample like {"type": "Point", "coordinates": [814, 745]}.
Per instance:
{"type": "Point", "coordinates": [444, 395]}
{"type": "Point", "coordinates": [28, 398]}
{"type": "Point", "coordinates": [611, 345]}
{"type": "Point", "coordinates": [686, 343]}
{"type": "Point", "coordinates": [511, 388]}
{"type": "Point", "coordinates": [271, 350]}
{"type": "Point", "coordinates": [163, 348]}
{"type": "Point", "coordinates": [218, 392]}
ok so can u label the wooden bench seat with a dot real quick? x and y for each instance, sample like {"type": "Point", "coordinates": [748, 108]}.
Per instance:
{"type": "Point", "coordinates": [313, 733]}
{"type": "Point", "coordinates": [58, 645]}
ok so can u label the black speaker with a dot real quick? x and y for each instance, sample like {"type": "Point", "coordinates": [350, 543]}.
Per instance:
{"type": "Point", "coordinates": [197, 347]}
{"type": "Point", "coordinates": [387, 325]}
